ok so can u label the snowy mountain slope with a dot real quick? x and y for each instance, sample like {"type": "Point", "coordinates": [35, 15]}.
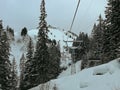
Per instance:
{"type": "Point", "coordinates": [103, 77]}
{"type": "Point", "coordinates": [19, 45]}
{"type": "Point", "coordinates": [58, 35]}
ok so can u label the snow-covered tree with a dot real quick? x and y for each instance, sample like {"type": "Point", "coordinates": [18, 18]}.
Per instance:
{"type": "Point", "coordinates": [91, 45]}
{"type": "Point", "coordinates": [5, 65]}
{"type": "Point", "coordinates": [41, 63]}
{"type": "Point", "coordinates": [10, 33]}
{"type": "Point", "coordinates": [22, 70]}
{"type": "Point", "coordinates": [54, 54]}
{"type": "Point", "coordinates": [14, 79]}
{"type": "Point", "coordinates": [97, 40]}
{"type": "Point", "coordinates": [28, 66]}
{"type": "Point", "coordinates": [112, 31]}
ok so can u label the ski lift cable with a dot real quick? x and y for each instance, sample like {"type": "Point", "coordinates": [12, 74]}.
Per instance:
{"type": "Point", "coordinates": [74, 15]}
{"type": "Point", "coordinates": [86, 11]}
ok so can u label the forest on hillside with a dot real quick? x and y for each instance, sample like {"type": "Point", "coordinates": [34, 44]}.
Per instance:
{"type": "Point", "coordinates": [41, 63]}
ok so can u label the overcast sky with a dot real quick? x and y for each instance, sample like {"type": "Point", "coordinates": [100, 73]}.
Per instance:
{"type": "Point", "coordinates": [25, 13]}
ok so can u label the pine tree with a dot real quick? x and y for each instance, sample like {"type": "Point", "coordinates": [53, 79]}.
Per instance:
{"type": "Point", "coordinates": [107, 34]}
{"type": "Point", "coordinates": [54, 53]}
{"type": "Point", "coordinates": [14, 78]}
{"type": "Point", "coordinates": [82, 47]}
{"type": "Point", "coordinates": [24, 31]}
{"type": "Point", "coordinates": [28, 66]}
{"type": "Point", "coordinates": [10, 33]}
{"type": "Point", "coordinates": [1, 26]}
{"type": "Point", "coordinates": [41, 65]}
{"type": "Point", "coordinates": [5, 65]}
{"type": "Point", "coordinates": [91, 45]}
{"type": "Point", "coordinates": [115, 26]}
{"type": "Point", "coordinates": [112, 31]}
{"type": "Point", "coordinates": [22, 70]}
{"type": "Point", "coordinates": [97, 40]}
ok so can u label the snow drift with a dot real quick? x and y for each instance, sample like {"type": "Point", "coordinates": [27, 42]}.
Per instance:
{"type": "Point", "coordinates": [103, 77]}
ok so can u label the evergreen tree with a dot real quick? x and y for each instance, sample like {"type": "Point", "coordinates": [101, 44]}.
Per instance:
{"type": "Point", "coordinates": [22, 70]}
{"type": "Point", "coordinates": [24, 31]}
{"type": "Point", "coordinates": [14, 78]}
{"type": "Point", "coordinates": [1, 26]}
{"type": "Point", "coordinates": [82, 46]}
{"type": "Point", "coordinates": [112, 31]}
{"type": "Point", "coordinates": [28, 67]}
{"type": "Point", "coordinates": [40, 64]}
{"type": "Point", "coordinates": [54, 53]}
{"type": "Point", "coordinates": [91, 54]}
{"type": "Point", "coordinates": [97, 40]}
{"type": "Point", "coordinates": [10, 33]}
{"type": "Point", "coordinates": [5, 65]}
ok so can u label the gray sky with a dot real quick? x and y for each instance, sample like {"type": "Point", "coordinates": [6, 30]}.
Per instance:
{"type": "Point", "coordinates": [25, 13]}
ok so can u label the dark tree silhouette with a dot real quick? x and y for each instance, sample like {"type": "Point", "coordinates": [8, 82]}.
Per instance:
{"type": "Point", "coordinates": [5, 65]}
{"type": "Point", "coordinates": [112, 31]}
{"type": "Point", "coordinates": [24, 31]}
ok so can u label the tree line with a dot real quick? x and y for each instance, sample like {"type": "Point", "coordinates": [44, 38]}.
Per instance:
{"type": "Point", "coordinates": [8, 70]}
{"type": "Point", "coordinates": [39, 65]}
{"type": "Point", "coordinates": [104, 42]}
{"type": "Point", "coordinates": [42, 64]}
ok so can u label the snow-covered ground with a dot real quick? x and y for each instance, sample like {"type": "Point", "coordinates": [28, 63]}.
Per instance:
{"type": "Point", "coordinates": [103, 77]}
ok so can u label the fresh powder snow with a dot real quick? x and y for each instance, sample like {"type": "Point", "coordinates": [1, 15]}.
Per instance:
{"type": "Point", "coordinates": [103, 77]}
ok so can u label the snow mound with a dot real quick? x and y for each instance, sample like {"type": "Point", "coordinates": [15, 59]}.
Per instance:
{"type": "Point", "coordinates": [107, 68]}
{"type": "Point", "coordinates": [88, 79]}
